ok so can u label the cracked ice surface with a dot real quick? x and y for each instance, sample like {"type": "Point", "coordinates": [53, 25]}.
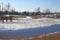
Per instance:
{"type": "Point", "coordinates": [28, 23]}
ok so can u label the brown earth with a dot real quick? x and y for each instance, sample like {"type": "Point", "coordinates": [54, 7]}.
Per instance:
{"type": "Point", "coordinates": [55, 36]}
{"type": "Point", "coordinates": [36, 17]}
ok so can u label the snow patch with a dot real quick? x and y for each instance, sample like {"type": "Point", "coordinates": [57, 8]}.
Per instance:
{"type": "Point", "coordinates": [28, 23]}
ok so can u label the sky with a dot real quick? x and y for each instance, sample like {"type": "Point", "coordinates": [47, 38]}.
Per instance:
{"type": "Point", "coordinates": [31, 5]}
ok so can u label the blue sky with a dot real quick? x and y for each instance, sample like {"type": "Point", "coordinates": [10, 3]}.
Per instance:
{"type": "Point", "coordinates": [30, 5]}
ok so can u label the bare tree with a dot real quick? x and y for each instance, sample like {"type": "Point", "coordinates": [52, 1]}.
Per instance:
{"type": "Point", "coordinates": [0, 6]}
{"type": "Point", "coordinates": [13, 10]}
{"type": "Point", "coordinates": [7, 7]}
{"type": "Point", "coordinates": [37, 10]}
{"type": "Point", "coordinates": [47, 10]}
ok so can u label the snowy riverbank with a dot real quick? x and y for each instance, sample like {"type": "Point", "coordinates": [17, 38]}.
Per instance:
{"type": "Point", "coordinates": [28, 23]}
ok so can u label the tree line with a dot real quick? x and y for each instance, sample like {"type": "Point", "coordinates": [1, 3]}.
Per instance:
{"type": "Point", "coordinates": [5, 10]}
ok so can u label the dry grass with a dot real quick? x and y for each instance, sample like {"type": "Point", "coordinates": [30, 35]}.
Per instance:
{"type": "Point", "coordinates": [49, 37]}
{"type": "Point", "coordinates": [36, 17]}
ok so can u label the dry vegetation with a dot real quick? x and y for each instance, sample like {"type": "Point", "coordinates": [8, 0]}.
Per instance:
{"type": "Point", "coordinates": [35, 17]}
{"type": "Point", "coordinates": [45, 37]}
{"type": "Point", "coordinates": [44, 16]}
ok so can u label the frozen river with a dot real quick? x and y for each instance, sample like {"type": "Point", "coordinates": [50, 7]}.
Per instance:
{"type": "Point", "coordinates": [29, 27]}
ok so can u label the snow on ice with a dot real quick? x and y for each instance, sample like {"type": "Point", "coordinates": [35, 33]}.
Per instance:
{"type": "Point", "coordinates": [26, 23]}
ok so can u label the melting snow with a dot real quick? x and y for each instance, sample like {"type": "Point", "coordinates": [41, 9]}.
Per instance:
{"type": "Point", "coordinates": [28, 23]}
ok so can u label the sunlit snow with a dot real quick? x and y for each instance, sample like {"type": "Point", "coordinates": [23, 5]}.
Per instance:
{"type": "Point", "coordinates": [28, 23]}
